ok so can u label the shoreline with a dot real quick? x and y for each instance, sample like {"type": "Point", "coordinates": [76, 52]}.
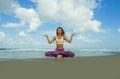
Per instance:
{"type": "Point", "coordinates": [44, 58]}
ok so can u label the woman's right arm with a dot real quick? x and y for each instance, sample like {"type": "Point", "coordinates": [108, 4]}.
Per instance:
{"type": "Point", "coordinates": [50, 41]}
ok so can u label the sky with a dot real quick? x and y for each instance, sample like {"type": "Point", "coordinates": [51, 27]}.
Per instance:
{"type": "Point", "coordinates": [94, 22]}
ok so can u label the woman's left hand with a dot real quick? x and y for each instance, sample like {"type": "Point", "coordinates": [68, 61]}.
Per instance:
{"type": "Point", "coordinates": [73, 34]}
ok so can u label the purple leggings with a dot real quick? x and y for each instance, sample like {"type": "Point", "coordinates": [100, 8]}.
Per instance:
{"type": "Point", "coordinates": [60, 51]}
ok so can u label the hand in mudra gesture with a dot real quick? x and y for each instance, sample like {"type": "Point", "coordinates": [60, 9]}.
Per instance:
{"type": "Point", "coordinates": [72, 34]}
{"type": "Point", "coordinates": [45, 35]}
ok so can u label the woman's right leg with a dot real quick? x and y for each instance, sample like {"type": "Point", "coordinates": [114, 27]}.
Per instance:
{"type": "Point", "coordinates": [51, 54]}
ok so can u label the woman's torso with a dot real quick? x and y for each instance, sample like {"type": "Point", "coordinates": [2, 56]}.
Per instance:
{"type": "Point", "coordinates": [59, 41]}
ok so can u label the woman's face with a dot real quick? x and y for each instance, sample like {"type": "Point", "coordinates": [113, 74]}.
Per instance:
{"type": "Point", "coordinates": [59, 31]}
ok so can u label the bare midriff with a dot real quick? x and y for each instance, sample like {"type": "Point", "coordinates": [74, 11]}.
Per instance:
{"type": "Point", "coordinates": [59, 45]}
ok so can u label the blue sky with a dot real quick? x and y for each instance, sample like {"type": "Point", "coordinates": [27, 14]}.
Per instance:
{"type": "Point", "coordinates": [95, 23]}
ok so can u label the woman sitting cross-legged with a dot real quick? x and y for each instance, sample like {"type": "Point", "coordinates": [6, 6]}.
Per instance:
{"type": "Point", "coordinates": [59, 52]}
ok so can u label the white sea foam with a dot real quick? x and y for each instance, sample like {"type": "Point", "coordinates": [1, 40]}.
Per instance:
{"type": "Point", "coordinates": [24, 53]}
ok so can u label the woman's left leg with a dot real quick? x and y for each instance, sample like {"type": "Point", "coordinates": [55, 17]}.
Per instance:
{"type": "Point", "coordinates": [68, 54]}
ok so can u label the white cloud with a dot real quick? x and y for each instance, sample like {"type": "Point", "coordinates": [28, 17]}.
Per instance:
{"type": "Point", "coordinates": [87, 39]}
{"type": "Point", "coordinates": [5, 5]}
{"type": "Point", "coordinates": [23, 43]}
{"type": "Point", "coordinates": [13, 25]}
{"type": "Point", "coordinates": [75, 14]}
{"type": "Point", "coordinates": [47, 8]}
{"type": "Point", "coordinates": [119, 30]}
{"type": "Point", "coordinates": [26, 16]}
{"type": "Point", "coordinates": [22, 34]}
{"type": "Point", "coordinates": [49, 32]}
{"type": "Point", "coordinates": [16, 42]}
{"type": "Point", "coordinates": [29, 16]}
{"type": "Point", "coordinates": [2, 35]}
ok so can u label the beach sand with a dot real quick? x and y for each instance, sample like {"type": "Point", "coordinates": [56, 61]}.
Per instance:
{"type": "Point", "coordinates": [101, 67]}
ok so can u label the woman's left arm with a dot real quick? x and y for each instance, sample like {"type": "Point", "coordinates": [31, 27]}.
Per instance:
{"type": "Point", "coordinates": [69, 40]}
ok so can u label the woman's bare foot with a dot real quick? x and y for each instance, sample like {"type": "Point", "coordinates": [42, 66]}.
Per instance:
{"type": "Point", "coordinates": [62, 58]}
{"type": "Point", "coordinates": [59, 57]}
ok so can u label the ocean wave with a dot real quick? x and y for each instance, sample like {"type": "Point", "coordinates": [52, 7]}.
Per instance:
{"type": "Point", "coordinates": [104, 50]}
{"type": "Point", "coordinates": [27, 50]}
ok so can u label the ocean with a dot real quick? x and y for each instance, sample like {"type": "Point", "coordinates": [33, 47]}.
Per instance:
{"type": "Point", "coordinates": [23, 53]}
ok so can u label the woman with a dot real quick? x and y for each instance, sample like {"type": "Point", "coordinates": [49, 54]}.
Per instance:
{"type": "Point", "coordinates": [59, 53]}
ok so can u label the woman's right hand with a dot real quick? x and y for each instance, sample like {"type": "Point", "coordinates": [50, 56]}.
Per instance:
{"type": "Point", "coordinates": [45, 35]}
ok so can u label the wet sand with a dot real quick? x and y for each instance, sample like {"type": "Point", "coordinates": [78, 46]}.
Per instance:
{"type": "Point", "coordinates": [101, 67]}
